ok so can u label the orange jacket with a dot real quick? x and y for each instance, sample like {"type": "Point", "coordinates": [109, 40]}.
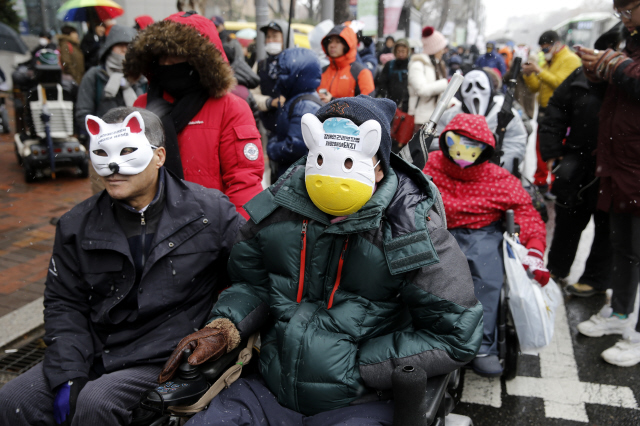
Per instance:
{"type": "Point", "coordinates": [344, 73]}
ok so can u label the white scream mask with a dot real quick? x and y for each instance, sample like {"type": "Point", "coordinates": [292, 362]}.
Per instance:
{"type": "Point", "coordinates": [476, 92]}
{"type": "Point", "coordinates": [120, 147]}
{"type": "Point", "coordinates": [333, 187]}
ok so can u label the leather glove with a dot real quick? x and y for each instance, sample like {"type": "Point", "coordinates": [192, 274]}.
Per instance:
{"type": "Point", "coordinates": [533, 262]}
{"type": "Point", "coordinates": [206, 344]}
{"type": "Point", "coordinates": [64, 403]}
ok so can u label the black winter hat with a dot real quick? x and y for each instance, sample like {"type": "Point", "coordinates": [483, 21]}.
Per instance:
{"type": "Point", "coordinates": [363, 108]}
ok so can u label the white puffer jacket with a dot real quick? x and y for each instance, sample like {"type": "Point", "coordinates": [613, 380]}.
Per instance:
{"type": "Point", "coordinates": [424, 88]}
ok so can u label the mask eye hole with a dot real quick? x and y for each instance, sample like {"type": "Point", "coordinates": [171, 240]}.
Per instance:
{"type": "Point", "coordinates": [100, 152]}
{"type": "Point", "coordinates": [128, 150]}
{"type": "Point", "coordinates": [348, 163]}
{"type": "Point", "coordinates": [469, 87]}
{"type": "Point", "coordinates": [480, 86]}
{"type": "Point", "coordinates": [320, 160]}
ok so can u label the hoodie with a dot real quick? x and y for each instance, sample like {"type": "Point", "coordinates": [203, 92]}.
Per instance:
{"type": "Point", "coordinates": [479, 195]}
{"type": "Point", "coordinates": [344, 77]}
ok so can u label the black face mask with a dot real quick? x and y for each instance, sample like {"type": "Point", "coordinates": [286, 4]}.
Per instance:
{"type": "Point", "coordinates": [177, 79]}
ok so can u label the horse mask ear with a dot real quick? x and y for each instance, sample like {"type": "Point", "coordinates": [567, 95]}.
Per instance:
{"type": "Point", "coordinates": [311, 130]}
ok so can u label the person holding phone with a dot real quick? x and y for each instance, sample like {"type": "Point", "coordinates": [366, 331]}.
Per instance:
{"type": "Point", "coordinates": [618, 158]}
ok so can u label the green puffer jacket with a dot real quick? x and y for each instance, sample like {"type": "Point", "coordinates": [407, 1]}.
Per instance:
{"type": "Point", "coordinates": [341, 305]}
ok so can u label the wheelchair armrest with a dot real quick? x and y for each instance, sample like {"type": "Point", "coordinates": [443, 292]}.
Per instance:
{"type": "Point", "coordinates": [435, 393]}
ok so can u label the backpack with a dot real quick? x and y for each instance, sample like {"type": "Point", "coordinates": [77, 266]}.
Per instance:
{"type": "Point", "coordinates": [306, 97]}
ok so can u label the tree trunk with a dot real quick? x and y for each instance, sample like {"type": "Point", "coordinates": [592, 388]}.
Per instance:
{"type": "Point", "coordinates": [342, 12]}
{"type": "Point", "coordinates": [380, 19]}
{"type": "Point", "coordinates": [444, 14]}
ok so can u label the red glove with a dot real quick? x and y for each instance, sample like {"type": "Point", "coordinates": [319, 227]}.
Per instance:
{"type": "Point", "coordinates": [533, 262]}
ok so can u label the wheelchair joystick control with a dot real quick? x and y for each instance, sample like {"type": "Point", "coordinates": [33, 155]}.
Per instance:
{"type": "Point", "coordinates": [410, 404]}
{"type": "Point", "coordinates": [185, 389]}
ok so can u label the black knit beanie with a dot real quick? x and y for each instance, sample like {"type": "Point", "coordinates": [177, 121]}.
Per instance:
{"type": "Point", "coordinates": [363, 108]}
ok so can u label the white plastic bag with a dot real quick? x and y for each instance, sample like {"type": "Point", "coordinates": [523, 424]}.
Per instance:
{"type": "Point", "coordinates": [532, 306]}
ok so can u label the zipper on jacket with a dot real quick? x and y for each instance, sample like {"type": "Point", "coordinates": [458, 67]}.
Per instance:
{"type": "Point", "coordinates": [143, 236]}
{"type": "Point", "coordinates": [303, 255]}
{"type": "Point", "coordinates": [339, 276]}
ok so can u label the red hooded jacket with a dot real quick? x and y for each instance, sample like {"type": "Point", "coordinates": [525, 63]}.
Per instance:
{"type": "Point", "coordinates": [338, 78]}
{"type": "Point", "coordinates": [221, 147]}
{"type": "Point", "coordinates": [479, 195]}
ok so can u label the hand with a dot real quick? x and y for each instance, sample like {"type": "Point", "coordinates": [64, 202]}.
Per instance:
{"type": "Point", "coordinates": [552, 161]}
{"type": "Point", "coordinates": [278, 101]}
{"type": "Point", "coordinates": [64, 403]}
{"type": "Point", "coordinates": [325, 97]}
{"type": "Point", "coordinates": [533, 262]}
{"type": "Point", "coordinates": [206, 344]}
{"type": "Point", "coordinates": [530, 68]}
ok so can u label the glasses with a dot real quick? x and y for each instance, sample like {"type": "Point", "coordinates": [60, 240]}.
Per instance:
{"type": "Point", "coordinates": [626, 14]}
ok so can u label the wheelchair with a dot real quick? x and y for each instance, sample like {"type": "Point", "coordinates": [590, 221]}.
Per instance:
{"type": "Point", "coordinates": [428, 408]}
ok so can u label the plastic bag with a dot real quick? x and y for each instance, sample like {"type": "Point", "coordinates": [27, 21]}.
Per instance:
{"type": "Point", "coordinates": [532, 306]}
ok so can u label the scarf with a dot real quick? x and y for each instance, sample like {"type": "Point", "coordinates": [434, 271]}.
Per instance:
{"type": "Point", "coordinates": [175, 117]}
{"type": "Point", "coordinates": [117, 82]}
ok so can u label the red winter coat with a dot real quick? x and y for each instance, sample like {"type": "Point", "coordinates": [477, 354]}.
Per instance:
{"type": "Point", "coordinates": [480, 195]}
{"type": "Point", "coordinates": [221, 147]}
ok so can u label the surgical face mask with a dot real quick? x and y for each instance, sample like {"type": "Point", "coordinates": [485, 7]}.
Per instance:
{"type": "Point", "coordinates": [462, 150]}
{"type": "Point", "coordinates": [548, 56]}
{"type": "Point", "coordinates": [119, 148]}
{"type": "Point", "coordinates": [549, 52]}
{"type": "Point", "coordinates": [476, 92]}
{"type": "Point", "coordinates": [43, 41]}
{"type": "Point", "coordinates": [340, 175]}
{"type": "Point", "coordinates": [273, 48]}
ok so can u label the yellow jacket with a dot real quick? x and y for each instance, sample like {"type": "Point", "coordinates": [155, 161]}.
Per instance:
{"type": "Point", "coordinates": [563, 63]}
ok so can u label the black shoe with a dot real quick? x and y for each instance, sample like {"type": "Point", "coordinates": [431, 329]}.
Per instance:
{"type": "Point", "coordinates": [487, 366]}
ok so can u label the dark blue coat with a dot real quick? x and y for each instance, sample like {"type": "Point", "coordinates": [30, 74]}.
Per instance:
{"type": "Point", "coordinates": [368, 57]}
{"type": "Point", "coordinates": [492, 60]}
{"type": "Point", "coordinates": [299, 74]}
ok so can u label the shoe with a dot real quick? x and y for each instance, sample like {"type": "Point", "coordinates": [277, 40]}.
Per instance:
{"type": "Point", "coordinates": [604, 322]}
{"type": "Point", "coordinates": [487, 366]}
{"type": "Point", "coordinates": [625, 353]}
{"type": "Point", "coordinates": [581, 290]}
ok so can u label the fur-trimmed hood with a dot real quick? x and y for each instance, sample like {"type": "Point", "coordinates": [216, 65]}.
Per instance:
{"type": "Point", "coordinates": [182, 34]}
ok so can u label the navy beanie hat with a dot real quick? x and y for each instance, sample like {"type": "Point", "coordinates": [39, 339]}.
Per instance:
{"type": "Point", "coordinates": [364, 108]}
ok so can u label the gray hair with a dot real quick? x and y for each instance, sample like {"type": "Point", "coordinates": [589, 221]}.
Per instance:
{"type": "Point", "coordinates": [153, 128]}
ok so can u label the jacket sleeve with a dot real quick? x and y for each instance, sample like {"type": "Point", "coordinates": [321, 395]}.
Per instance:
{"type": "Point", "coordinates": [447, 318]}
{"type": "Point", "coordinates": [422, 87]}
{"type": "Point", "coordinates": [86, 103]}
{"type": "Point", "coordinates": [502, 67]}
{"type": "Point", "coordinates": [69, 351]}
{"type": "Point", "coordinates": [515, 141]}
{"type": "Point", "coordinates": [292, 147]}
{"type": "Point", "coordinates": [246, 302]}
{"type": "Point", "coordinates": [554, 79]}
{"type": "Point", "coordinates": [533, 231]}
{"type": "Point", "coordinates": [241, 175]}
{"type": "Point", "coordinates": [532, 81]}
{"type": "Point", "coordinates": [553, 127]}
{"type": "Point", "coordinates": [365, 82]}
{"type": "Point", "coordinates": [627, 76]}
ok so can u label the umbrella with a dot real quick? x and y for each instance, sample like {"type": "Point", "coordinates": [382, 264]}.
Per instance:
{"type": "Point", "coordinates": [84, 10]}
{"type": "Point", "coordinates": [11, 41]}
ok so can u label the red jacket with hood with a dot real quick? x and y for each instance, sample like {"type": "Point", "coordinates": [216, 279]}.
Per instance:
{"type": "Point", "coordinates": [221, 147]}
{"type": "Point", "coordinates": [338, 78]}
{"type": "Point", "coordinates": [479, 195]}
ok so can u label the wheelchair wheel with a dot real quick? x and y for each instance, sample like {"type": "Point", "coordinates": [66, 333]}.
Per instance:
{"type": "Point", "coordinates": [513, 350]}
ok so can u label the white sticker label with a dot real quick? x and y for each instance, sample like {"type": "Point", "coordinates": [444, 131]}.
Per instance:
{"type": "Point", "coordinates": [251, 151]}
{"type": "Point", "coordinates": [341, 141]}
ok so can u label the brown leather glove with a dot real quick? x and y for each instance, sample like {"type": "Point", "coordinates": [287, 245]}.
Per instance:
{"type": "Point", "coordinates": [206, 344]}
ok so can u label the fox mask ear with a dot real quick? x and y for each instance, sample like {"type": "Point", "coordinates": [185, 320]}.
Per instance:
{"type": "Point", "coordinates": [134, 122]}
{"type": "Point", "coordinates": [93, 124]}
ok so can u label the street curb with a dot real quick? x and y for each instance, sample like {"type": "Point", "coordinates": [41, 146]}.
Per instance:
{"type": "Point", "coordinates": [21, 321]}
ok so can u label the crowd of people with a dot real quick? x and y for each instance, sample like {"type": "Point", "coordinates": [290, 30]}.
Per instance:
{"type": "Point", "coordinates": [353, 261]}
